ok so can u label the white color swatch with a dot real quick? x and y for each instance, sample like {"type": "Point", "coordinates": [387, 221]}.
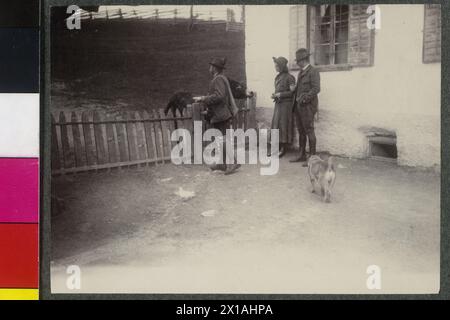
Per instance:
{"type": "Point", "coordinates": [19, 125]}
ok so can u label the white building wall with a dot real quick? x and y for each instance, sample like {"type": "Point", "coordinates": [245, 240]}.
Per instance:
{"type": "Point", "coordinates": [266, 36]}
{"type": "Point", "coordinates": [399, 92]}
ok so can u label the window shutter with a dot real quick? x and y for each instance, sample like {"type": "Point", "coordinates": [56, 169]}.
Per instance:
{"type": "Point", "coordinates": [297, 31]}
{"type": "Point", "coordinates": [432, 33]}
{"type": "Point", "coordinates": [361, 38]}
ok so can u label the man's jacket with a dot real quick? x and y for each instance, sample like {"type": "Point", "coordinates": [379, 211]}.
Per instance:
{"type": "Point", "coordinates": [307, 89]}
{"type": "Point", "coordinates": [218, 99]}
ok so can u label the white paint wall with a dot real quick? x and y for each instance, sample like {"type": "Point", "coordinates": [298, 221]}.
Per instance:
{"type": "Point", "coordinates": [399, 92]}
{"type": "Point", "coordinates": [266, 36]}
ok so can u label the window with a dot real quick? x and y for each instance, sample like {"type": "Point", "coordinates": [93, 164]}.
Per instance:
{"type": "Point", "coordinates": [432, 34]}
{"type": "Point", "coordinates": [336, 35]}
{"type": "Point", "coordinates": [330, 38]}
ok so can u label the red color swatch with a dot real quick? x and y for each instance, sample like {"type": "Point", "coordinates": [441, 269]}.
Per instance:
{"type": "Point", "coordinates": [19, 257]}
{"type": "Point", "coordinates": [19, 190]}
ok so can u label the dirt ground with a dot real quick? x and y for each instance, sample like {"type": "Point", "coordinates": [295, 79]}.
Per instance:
{"type": "Point", "coordinates": [129, 232]}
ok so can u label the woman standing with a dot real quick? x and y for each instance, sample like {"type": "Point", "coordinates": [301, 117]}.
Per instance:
{"type": "Point", "coordinates": [284, 89]}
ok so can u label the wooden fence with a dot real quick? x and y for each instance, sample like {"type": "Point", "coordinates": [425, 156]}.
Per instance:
{"type": "Point", "coordinates": [99, 140]}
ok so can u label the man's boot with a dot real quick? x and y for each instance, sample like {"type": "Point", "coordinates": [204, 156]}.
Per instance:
{"type": "Point", "coordinates": [231, 168]}
{"type": "Point", "coordinates": [282, 151]}
{"type": "Point", "coordinates": [312, 149]}
{"type": "Point", "coordinates": [221, 167]}
{"type": "Point", "coordinates": [302, 154]}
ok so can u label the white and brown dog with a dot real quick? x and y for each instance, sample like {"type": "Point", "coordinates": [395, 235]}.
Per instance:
{"type": "Point", "coordinates": [323, 173]}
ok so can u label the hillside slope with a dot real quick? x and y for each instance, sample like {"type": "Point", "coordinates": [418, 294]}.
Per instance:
{"type": "Point", "coordinates": [137, 63]}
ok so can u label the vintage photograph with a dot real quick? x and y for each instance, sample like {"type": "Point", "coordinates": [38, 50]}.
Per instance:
{"type": "Point", "coordinates": [246, 149]}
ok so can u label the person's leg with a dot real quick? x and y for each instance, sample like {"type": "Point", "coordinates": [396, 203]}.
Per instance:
{"type": "Point", "coordinates": [221, 126]}
{"type": "Point", "coordinates": [231, 155]}
{"type": "Point", "coordinates": [308, 124]}
{"type": "Point", "coordinates": [301, 136]}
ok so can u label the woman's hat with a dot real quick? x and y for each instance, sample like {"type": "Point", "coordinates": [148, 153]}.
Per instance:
{"type": "Point", "coordinates": [219, 62]}
{"type": "Point", "coordinates": [282, 61]}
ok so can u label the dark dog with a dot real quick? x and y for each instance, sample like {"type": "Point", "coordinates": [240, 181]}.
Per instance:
{"type": "Point", "coordinates": [179, 101]}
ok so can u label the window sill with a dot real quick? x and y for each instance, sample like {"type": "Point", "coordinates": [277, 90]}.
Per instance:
{"type": "Point", "coordinates": [329, 68]}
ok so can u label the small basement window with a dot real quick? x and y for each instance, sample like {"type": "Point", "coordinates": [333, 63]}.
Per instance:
{"type": "Point", "coordinates": [383, 148]}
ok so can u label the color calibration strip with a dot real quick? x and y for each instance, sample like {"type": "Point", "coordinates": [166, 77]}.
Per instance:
{"type": "Point", "coordinates": [19, 150]}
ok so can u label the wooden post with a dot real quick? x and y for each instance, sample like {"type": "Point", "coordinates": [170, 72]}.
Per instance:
{"type": "Point", "coordinates": [196, 112]}
{"type": "Point", "coordinates": [189, 124]}
{"type": "Point", "coordinates": [252, 111]}
{"type": "Point", "coordinates": [156, 14]}
{"type": "Point", "coordinates": [191, 22]}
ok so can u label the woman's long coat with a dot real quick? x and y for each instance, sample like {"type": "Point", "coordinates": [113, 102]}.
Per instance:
{"type": "Point", "coordinates": [282, 115]}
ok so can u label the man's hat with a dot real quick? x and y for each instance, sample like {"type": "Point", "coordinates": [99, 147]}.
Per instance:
{"type": "Point", "coordinates": [219, 62]}
{"type": "Point", "coordinates": [281, 61]}
{"type": "Point", "coordinates": [301, 54]}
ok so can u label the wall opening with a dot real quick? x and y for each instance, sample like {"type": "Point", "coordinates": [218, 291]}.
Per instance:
{"type": "Point", "coordinates": [383, 148]}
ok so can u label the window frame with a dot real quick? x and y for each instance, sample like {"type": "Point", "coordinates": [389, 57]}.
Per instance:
{"type": "Point", "coordinates": [309, 39]}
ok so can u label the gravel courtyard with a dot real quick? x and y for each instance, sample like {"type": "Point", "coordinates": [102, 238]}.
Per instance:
{"type": "Point", "coordinates": [129, 230]}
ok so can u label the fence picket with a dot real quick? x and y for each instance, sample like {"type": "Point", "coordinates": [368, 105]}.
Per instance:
{"type": "Point", "coordinates": [99, 139]}
{"type": "Point", "coordinates": [122, 140]}
{"type": "Point", "coordinates": [68, 153]}
{"type": "Point", "coordinates": [91, 156]}
{"type": "Point", "coordinates": [172, 126]}
{"type": "Point", "coordinates": [149, 138]}
{"type": "Point", "coordinates": [157, 126]}
{"type": "Point", "coordinates": [79, 152]}
{"type": "Point", "coordinates": [165, 135]}
{"type": "Point", "coordinates": [56, 164]}
{"type": "Point", "coordinates": [140, 135]}
{"type": "Point", "coordinates": [113, 148]}
{"type": "Point", "coordinates": [252, 111]}
{"type": "Point", "coordinates": [131, 138]}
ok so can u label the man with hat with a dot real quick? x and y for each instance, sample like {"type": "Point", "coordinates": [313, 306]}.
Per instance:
{"type": "Point", "coordinates": [221, 104]}
{"type": "Point", "coordinates": [305, 103]}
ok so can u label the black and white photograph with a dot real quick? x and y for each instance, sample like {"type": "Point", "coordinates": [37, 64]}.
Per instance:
{"type": "Point", "coordinates": [245, 149]}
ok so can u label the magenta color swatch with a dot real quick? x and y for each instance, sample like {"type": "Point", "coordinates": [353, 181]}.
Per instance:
{"type": "Point", "coordinates": [19, 190]}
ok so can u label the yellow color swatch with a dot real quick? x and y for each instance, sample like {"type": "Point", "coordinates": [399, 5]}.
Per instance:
{"type": "Point", "coordinates": [19, 294]}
